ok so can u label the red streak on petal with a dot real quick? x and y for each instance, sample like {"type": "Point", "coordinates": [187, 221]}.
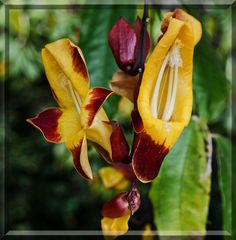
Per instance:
{"type": "Point", "coordinates": [116, 207]}
{"type": "Point", "coordinates": [76, 159]}
{"type": "Point", "coordinates": [78, 63]}
{"type": "Point", "coordinates": [97, 96]}
{"type": "Point", "coordinates": [148, 158]}
{"type": "Point", "coordinates": [47, 123]}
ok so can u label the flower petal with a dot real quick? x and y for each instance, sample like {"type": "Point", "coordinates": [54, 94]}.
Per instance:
{"type": "Point", "coordinates": [115, 226]}
{"type": "Point", "coordinates": [124, 84]}
{"type": "Point", "coordinates": [163, 132]}
{"type": "Point", "coordinates": [80, 157]}
{"type": "Point", "coordinates": [66, 71]}
{"type": "Point", "coordinates": [75, 140]}
{"type": "Point", "coordinates": [47, 123]}
{"type": "Point", "coordinates": [196, 25]}
{"type": "Point", "coordinates": [93, 102]}
{"type": "Point", "coordinates": [119, 145]}
{"type": "Point", "coordinates": [110, 176]}
{"type": "Point", "coordinates": [148, 158]}
{"type": "Point", "coordinates": [99, 133]}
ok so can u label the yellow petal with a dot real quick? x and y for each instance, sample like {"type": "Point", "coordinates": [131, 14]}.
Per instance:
{"type": "Point", "coordinates": [115, 226]}
{"type": "Point", "coordinates": [66, 71]}
{"type": "Point", "coordinates": [167, 132]}
{"type": "Point", "coordinates": [80, 156]}
{"type": "Point", "coordinates": [123, 184]}
{"type": "Point", "coordinates": [100, 132]}
{"type": "Point", "coordinates": [183, 16]}
{"type": "Point", "coordinates": [75, 140]}
{"type": "Point", "coordinates": [147, 233]}
{"type": "Point", "coordinates": [110, 176]}
{"type": "Point", "coordinates": [196, 25]}
{"type": "Point", "coordinates": [69, 127]}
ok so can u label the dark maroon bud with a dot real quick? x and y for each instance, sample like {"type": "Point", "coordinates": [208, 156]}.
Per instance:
{"type": "Point", "coordinates": [124, 40]}
{"type": "Point", "coordinates": [134, 199]}
{"type": "Point", "coordinates": [116, 207]}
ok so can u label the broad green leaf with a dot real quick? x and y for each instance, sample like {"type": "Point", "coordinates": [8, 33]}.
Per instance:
{"type": "Point", "coordinates": [96, 23]}
{"type": "Point", "coordinates": [179, 195]}
{"type": "Point", "coordinates": [210, 85]}
{"type": "Point", "coordinates": [224, 166]}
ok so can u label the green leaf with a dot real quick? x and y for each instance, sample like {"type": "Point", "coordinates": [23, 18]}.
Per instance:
{"type": "Point", "coordinates": [224, 166]}
{"type": "Point", "coordinates": [210, 85]}
{"type": "Point", "coordinates": [179, 195]}
{"type": "Point", "coordinates": [96, 23]}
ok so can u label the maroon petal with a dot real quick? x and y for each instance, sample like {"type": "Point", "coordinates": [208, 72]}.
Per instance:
{"type": "Point", "coordinates": [47, 123]}
{"type": "Point", "coordinates": [116, 207]}
{"type": "Point", "coordinates": [119, 145]}
{"type": "Point", "coordinates": [123, 40]}
{"type": "Point", "coordinates": [148, 157]}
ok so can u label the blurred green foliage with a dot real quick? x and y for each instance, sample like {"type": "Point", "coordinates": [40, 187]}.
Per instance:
{"type": "Point", "coordinates": [43, 191]}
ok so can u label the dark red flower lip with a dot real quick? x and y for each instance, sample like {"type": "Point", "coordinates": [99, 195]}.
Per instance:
{"type": "Point", "coordinates": [148, 158]}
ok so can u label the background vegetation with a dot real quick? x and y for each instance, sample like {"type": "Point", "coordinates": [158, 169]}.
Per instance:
{"type": "Point", "coordinates": [44, 192]}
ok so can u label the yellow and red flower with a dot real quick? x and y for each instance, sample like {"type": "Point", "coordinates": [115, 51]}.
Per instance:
{"type": "Point", "coordinates": [164, 103]}
{"type": "Point", "coordinates": [117, 212]}
{"type": "Point", "coordinates": [80, 115]}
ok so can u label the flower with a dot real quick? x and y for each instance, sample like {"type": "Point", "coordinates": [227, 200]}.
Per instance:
{"type": "Point", "coordinates": [124, 41]}
{"type": "Point", "coordinates": [165, 96]}
{"type": "Point", "coordinates": [117, 212]}
{"type": "Point", "coordinates": [80, 115]}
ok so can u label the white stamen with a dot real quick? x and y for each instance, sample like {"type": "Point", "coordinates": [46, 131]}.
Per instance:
{"type": "Point", "coordinates": [173, 61]}
{"type": "Point", "coordinates": [169, 93]}
{"type": "Point", "coordinates": [173, 96]}
{"type": "Point", "coordinates": [162, 92]}
{"type": "Point", "coordinates": [154, 101]}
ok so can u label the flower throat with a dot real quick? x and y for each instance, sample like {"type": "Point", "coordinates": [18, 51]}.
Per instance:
{"type": "Point", "coordinates": [164, 94]}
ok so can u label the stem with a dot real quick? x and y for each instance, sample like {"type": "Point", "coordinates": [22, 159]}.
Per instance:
{"type": "Point", "coordinates": [139, 64]}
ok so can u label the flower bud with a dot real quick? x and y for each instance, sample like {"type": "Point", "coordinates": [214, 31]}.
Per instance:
{"type": "Point", "coordinates": [124, 40]}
